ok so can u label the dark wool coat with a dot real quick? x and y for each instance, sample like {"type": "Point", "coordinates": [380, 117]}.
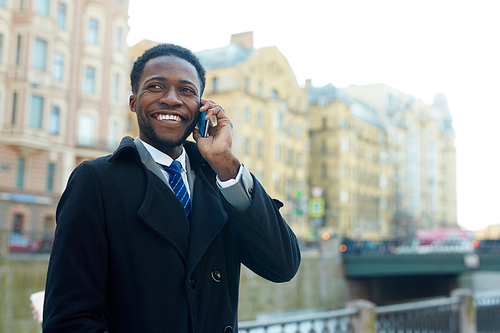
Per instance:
{"type": "Point", "coordinates": [125, 259]}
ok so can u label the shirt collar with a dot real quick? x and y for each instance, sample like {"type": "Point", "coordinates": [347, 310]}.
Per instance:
{"type": "Point", "coordinates": [162, 158]}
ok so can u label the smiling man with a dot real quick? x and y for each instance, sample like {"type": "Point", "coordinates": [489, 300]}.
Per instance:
{"type": "Point", "coordinates": [152, 237]}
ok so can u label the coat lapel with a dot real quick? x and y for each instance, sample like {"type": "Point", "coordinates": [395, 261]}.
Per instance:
{"type": "Point", "coordinates": [208, 217]}
{"type": "Point", "coordinates": [162, 212]}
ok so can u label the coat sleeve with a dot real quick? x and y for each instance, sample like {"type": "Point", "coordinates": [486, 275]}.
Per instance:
{"type": "Point", "coordinates": [268, 245]}
{"type": "Point", "coordinates": [77, 273]}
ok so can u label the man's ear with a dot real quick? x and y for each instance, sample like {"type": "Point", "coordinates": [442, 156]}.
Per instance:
{"type": "Point", "coordinates": [132, 103]}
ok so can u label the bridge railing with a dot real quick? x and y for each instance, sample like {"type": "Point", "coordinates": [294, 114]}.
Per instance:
{"type": "Point", "coordinates": [439, 315]}
{"type": "Point", "coordinates": [487, 306]}
{"type": "Point", "coordinates": [336, 321]}
{"type": "Point", "coordinates": [462, 312]}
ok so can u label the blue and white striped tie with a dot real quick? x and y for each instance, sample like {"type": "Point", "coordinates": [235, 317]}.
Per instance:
{"type": "Point", "coordinates": [177, 185]}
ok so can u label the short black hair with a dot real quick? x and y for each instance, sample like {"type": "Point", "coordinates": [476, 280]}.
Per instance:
{"type": "Point", "coordinates": [165, 50]}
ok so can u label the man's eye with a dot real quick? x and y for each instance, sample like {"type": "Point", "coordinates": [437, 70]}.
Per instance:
{"type": "Point", "coordinates": [154, 86]}
{"type": "Point", "coordinates": [188, 90]}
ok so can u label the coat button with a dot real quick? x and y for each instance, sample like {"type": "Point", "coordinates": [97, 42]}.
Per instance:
{"type": "Point", "coordinates": [228, 329]}
{"type": "Point", "coordinates": [216, 275]}
{"type": "Point", "coordinates": [192, 283]}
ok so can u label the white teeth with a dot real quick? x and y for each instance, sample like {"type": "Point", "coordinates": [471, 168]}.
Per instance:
{"type": "Point", "coordinates": [168, 117]}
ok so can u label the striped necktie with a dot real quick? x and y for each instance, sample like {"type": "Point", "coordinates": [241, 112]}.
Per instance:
{"type": "Point", "coordinates": [177, 185]}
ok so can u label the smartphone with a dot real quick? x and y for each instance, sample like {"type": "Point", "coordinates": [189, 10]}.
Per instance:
{"type": "Point", "coordinates": [203, 124]}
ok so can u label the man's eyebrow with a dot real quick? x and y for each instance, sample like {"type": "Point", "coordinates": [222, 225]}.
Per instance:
{"type": "Point", "coordinates": [161, 78]}
{"type": "Point", "coordinates": [190, 83]}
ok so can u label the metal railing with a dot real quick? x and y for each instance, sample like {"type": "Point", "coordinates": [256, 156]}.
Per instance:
{"type": "Point", "coordinates": [336, 321]}
{"type": "Point", "coordinates": [487, 306]}
{"type": "Point", "coordinates": [439, 315]}
{"type": "Point", "coordinates": [463, 312]}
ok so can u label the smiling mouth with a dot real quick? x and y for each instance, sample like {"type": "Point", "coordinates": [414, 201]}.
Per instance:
{"type": "Point", "coordinates": [165, 117]}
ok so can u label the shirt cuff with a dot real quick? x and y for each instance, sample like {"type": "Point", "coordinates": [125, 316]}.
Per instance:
{"type": "Point", "coordinates": [238, 192]}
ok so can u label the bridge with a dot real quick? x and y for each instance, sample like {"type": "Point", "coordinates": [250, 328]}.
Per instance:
{"type": "Point", "coordinates": [370, 265]}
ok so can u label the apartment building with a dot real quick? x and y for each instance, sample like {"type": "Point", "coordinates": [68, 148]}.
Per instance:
{"type": "Point", "coordinates": [349, 162]}
{"type": "Point", "coordinates": [422, 157]}
{"type": "Point", "coordinates": [64, 68]}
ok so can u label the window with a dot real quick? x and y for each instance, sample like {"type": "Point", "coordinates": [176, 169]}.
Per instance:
{"type": "Point", "coordinates": [288, 187]}
{"type": "Point", "coordinates": [54, 121]}
{"type": "Point", "coordinates": [116, 87]}
{"type": "Point", "coordinates": [276, 178]}
{"type": "Point", "coordinates": [260, 118]}
{"type": "Point", "coordinates": [289, 157]}
{"type": "Point", "coordinates": [324, 171]}
{"type": "Point", "coordinates": [344, 195]}
{"type": "Point", "coordinates": [289, 128]}
{"type": "Point", "coordinates": [300, 160]}
{"type": "Point", "coordinates": [42, 7]}
{"type": "Point", "coordinates": [259, 149]}
{"type": "Point", "coordinates": [345, 171]}
{"type": "Point", "coordinates": [20, 172]}
{"type": "Point", "coordinates": [214, 84]}
{"type": "Point", "coordinates": [18, 50]}
{"type": "Point", "coordinates": [18, 224]}
{"type": "Point", "coordinates": [246, 146]}
{"type": "Point", "coordinates": [344, 145]}
{"type": "Point", "coordinates": [246, 114]}
{"type": "Point", "coordinates": [324, 123]}
{"type": "Point", "coordinates": [277, 151]}
{"type": "Point", "coordinates": [259, 89]}
{"type": "Point", "coordinates": [345, 124]}
{"type": "Point", "coordinates": [92, 36]}
{"type": "Point", "coordinates": [273, 94]}
{"type": "Point", "coordinates": [89, 83]}
{"type": "Point", "coordinates": [1, 47]}
{"type": "Point", "coordinates": [383, 157]}
{"type": "Point", "coordinates": [40, 54]}
{"type": "Point", "coordinates": [61, 16]}
{"type": "Point", "coordinates": [58, 67]}
{"type": "Point", "coordinates": [323, 146]}
{"type": "Point", "coordinates": [383, 181]}
{"type": "Point", "coordinates": [113, 135]}
{"type": "Point", "coordinates": [50, 176]}
{"type": "Point", "coordinates": [86, 130]}
{"type": "Point", "coordinates": [14, 108]}
{"type": "Point", "coordinates": [118, 40]}
{"type": "Point", "coordinates": [277, 120]}
{"type": "Point", "coordinates": [36, 112]}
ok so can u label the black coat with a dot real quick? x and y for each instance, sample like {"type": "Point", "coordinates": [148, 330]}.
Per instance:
{"type": "Point", "coordinates": [125, 259]}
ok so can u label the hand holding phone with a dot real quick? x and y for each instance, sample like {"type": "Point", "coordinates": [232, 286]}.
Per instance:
{"type": "Point", "coordinates": [203, 123]}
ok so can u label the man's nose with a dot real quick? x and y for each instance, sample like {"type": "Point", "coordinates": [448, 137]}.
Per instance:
{"type": "Point", "coordinates": [170, 98]}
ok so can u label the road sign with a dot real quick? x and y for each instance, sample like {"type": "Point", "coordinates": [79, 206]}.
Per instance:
{"type": "Point", "coordinates": [316, 207]}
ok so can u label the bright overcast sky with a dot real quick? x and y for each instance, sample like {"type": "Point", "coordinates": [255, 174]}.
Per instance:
{"type": "Point", "coordinates": [418, 47]}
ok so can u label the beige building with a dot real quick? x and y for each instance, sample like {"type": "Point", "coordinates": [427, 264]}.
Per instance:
{"type": "Point", "coordinates": [63, 94]}
{"type": "Point", "coordinates": [349, 162]}
{"type": "Point", "coordinates": [268, 109]}
{"type": "Point", "coordinates": [422, 157]}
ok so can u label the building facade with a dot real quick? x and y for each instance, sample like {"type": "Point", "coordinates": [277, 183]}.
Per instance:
{"type": "Point", "coordinates": [64, 69]}
{"type": "Point", "coordinates": [349, 162]}
{"type": "Point", "coordinates": [422, 157]}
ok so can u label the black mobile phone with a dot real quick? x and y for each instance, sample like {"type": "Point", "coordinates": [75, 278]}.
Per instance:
{"type": "Point", "coordinates": [203, 123]}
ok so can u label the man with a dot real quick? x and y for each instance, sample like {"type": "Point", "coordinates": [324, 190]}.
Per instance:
{"type": "Point", "coordinates": [128, 254]}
